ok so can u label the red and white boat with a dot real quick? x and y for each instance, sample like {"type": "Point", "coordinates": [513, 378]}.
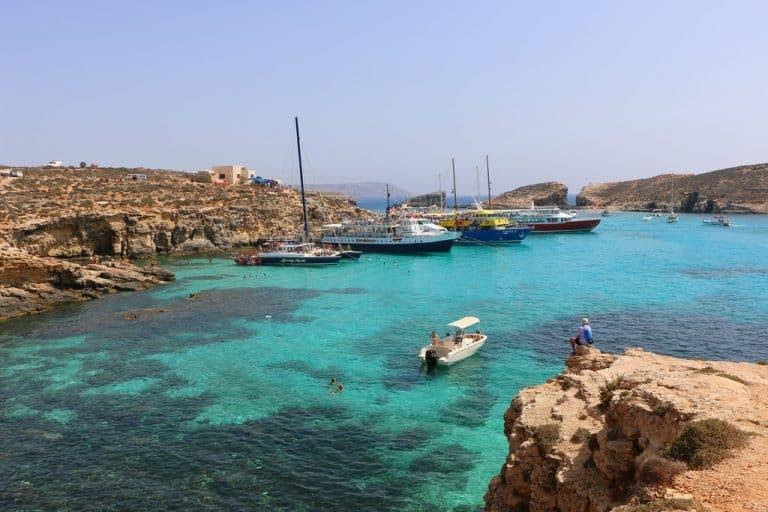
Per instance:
{"type": "Point", "coordinates": [550, 219]}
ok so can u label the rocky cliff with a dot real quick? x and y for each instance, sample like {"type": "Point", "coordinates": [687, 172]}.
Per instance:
{"type": "Point", "coordinates": [541, 194]}
{"type": "Point", "coordinates": [619, 433]}
{"type": "Point", "coordinates": [741, 189]}
{"type": "Point", "coordinates": [82, 212]}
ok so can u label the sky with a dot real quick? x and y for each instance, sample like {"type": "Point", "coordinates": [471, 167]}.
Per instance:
{"type": "Point", "coordinates": [389, 91]}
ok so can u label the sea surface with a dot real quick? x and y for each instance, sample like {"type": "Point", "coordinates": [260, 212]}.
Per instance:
{"type": "Point", "coordinates": [221, 401]}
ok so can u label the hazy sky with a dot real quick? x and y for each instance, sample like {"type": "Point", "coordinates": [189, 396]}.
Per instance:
{"type": "Point", "coordinates": [388, 91]}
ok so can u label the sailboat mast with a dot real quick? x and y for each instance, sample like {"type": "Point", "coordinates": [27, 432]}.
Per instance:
{"type": "Point", "coordinates": [488, 175]}
{"type": "Point", "coordinates": [387, 212]}
{"type": "Point", "coordinates": [301, 178]}
{"type": "Point", "coordinates": [455, 200]}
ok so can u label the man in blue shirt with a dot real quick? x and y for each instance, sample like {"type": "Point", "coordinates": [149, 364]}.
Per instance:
{"type": "Point", "coordinates": [583, 337]}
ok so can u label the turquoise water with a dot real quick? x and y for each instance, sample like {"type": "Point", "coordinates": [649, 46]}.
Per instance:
{"type": "Point", "coordinates": [223, 401]}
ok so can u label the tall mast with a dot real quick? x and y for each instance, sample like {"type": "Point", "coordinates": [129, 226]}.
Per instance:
{"type": "Point", "coordinates": [301, 178]}
{"type": "Point", "coordinates": [387, 201]}
{"type": "Point", "coordinates": [455, 201]}
{"type": "Point", "coordinates": [488, 174]}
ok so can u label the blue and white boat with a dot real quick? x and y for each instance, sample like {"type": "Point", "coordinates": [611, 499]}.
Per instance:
{"type": "Point", "coordinates": [485, 227]}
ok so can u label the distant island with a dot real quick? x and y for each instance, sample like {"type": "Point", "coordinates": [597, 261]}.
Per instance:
{"type": "Point", "coordinates": [742, 189]}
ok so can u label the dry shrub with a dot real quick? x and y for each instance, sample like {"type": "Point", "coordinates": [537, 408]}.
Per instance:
{"type": "Point", "coordinates": [580, 436]}
{"type": "Point", "coordinates": [662, 408]}
{"type": "Point", "coordinates": [704, 443]}
{"type": "Point", "coordinates": [606, 392]}
{"type": "Point", "coordinates": [658, 470]}
{"type": "Point", "coordinates": [546, 436]}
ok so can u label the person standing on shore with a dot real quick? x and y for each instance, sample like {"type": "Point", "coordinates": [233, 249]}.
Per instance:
{"type": "Point", "coordinates": [583, 336]}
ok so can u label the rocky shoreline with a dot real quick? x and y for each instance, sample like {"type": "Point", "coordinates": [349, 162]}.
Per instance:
{"type": "Point", "coordinates": [596, 438]}
{"type": "Point", "coordinates": [31, 284]}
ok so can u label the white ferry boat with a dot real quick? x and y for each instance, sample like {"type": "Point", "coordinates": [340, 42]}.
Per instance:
{"type": "Point", "coordinates": [406, 234]}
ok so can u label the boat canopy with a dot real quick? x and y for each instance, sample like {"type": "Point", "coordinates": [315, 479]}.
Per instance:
{"type": "Point", "coordinates": [465, 322]}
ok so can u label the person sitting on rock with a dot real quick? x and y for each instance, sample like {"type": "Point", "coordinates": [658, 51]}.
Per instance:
{"type": "Point", "coordinates": [583, 337]}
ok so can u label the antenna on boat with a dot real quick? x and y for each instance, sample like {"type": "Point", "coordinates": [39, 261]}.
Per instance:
{"type": "Point", "coordinates": [488, 174]}
{"type": "Point", "coordinates": [455, 201]}
{"type": "Point", "coordinates": [301, 178]}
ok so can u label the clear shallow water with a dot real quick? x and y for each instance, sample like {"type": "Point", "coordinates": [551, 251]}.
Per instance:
{"type": "Point", "coordinates": [208, 404]}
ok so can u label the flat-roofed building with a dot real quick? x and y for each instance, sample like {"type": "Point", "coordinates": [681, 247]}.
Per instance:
{"type": "Point", "coordinates": [232, 174]}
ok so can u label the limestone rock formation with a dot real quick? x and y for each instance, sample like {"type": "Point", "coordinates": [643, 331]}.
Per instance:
{"type": "Point", "coordinates": [31, 284]}
{"type": "Point", "coordinates": [579, 442]}
{"type": "Point", "coordinates": [741, 189]}
{"type": "Point", "coordinates": [541, 194]}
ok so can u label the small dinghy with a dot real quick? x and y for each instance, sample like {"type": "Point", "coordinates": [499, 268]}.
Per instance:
{"type": "Point", "coordinates": [452, 349]}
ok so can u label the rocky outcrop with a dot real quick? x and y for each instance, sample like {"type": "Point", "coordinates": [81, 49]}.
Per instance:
{"type": "Point", "coordinates": [540, 194]}
{"type": "Point", "coordinates": [31, 284]}
{"type": "Point", "coordinates": [427, 200]}
{"type": "Point", "coordinates": [583, 442]}
{"type": "Point", "coordinates": [741, 189]}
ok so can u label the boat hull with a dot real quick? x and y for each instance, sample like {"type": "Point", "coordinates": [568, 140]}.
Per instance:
{"type": "Point", "coordinates": [571, 226]}
{"type": "Point", "coordinates": [494, 236]}
{"type": "Point", "coordinates": [394, 246]}
{"type": "Point", "coordinates": [288, 260]}
{"type": "Point", "coordinates": [455, 355]}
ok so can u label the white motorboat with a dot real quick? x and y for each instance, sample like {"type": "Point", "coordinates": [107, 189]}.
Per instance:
{"type": "Point", "coordinates": [452, 349]}
{"type": "Point", "coordinates": [718, 220]}
{"type": "Point", "coordinates": [648, 217]}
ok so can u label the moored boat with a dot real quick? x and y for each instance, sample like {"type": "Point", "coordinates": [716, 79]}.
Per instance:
{"type": "Point", "coordinates": [455, 348]}
{"type": "Point", "coordinates": [403, 235]}
{"type": "Point", "coordinates": [290, 254]}
{"type": "Point", "coordinates": [284, 253]}
{"type": "Point", "coordinates": [550, 219]}
{"type": "Point", "coordinates": [718, 220]}
{"type": "Point", "coordinates": [485, 227]}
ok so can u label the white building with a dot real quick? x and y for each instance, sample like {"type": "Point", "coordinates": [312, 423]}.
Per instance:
{"type": "Point", "coordinates": [55, 163]}
{"type": "Point", "coordinates": [231, 174]}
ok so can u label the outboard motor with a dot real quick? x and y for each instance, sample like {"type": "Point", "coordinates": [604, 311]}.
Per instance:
{"type": "Point", "coordinates": [431, 359]}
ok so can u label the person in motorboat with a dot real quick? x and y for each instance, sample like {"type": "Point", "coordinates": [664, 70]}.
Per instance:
{"type": "Point", "coordinates": [435, 339]}
{"type": "Point", "coordinates": [583, 336]}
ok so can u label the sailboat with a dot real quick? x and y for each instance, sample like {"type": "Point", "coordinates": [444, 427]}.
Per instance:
{"type": "Point", "coordinates": [672, 217]}
{"type": "Point", "coordinates": [303, 253]}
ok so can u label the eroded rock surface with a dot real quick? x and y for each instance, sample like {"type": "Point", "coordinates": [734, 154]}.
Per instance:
{"type": "Point", "coordinates": [591, 464]}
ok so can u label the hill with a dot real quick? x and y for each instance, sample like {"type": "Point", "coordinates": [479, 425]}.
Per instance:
{"type": "Point", "coordinates": [362, 190]}
{"type": "Point", "coordinates": [742, 189]}
{"type": "Point", "coordinates": [541, 194]}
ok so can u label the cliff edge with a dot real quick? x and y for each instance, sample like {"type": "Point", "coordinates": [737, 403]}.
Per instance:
{"type": "Point", "coordinates": [616, 433]}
